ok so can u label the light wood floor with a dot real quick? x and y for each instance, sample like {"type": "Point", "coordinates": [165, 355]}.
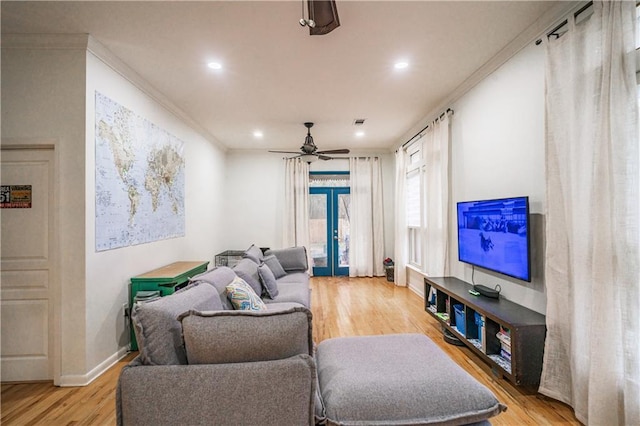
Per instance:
{"type": "Point", "coordinates": [341, 307]}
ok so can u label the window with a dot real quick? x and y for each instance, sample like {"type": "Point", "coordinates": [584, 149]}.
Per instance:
{"type": "Point", "coordinates": [414, 203]}
{"type": "Point", "coordinates": [414, 214]}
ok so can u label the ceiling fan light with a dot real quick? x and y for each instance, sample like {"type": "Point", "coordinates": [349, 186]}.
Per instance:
{"type": "Point", "coordinates": [308, 158]}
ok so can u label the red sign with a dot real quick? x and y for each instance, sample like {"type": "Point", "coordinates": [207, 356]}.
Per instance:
{"type": "Point", "coordinates": [15, 196]}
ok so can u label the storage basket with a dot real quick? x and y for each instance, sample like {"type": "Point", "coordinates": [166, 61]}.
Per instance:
{"type": "Point", "coordinates": [460, 318]}
{"type": "Point", "coordinates": [479, 323]}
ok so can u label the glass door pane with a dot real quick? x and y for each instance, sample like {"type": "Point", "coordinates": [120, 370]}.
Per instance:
{"type": "Point", "coordinates": [342, 231]}
{"type": "Point", "coordinates": [318, 227]}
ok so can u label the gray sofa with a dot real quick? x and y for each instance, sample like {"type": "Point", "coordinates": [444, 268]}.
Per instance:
{"type": "Point", "coordinates": [263, 372]}
{"type": "Point", "coordinates": [202, 362]}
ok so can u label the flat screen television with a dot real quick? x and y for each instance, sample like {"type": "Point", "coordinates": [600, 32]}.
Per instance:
{"type": "Point", "coordinates": [494, 235]}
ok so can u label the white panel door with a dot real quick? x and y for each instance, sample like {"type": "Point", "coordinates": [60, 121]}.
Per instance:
{"type": "Point", "coordinates": [26, 293]}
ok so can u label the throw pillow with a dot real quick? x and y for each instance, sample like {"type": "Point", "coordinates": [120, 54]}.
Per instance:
{"type": "Point", "coordinates": [243, 297]}
{"type": "Point", "coordinates": [292, 258]}
{"type": "Point", "coordinates": [254, 253]}
{"type": "Point", "coordinates": [219, 278]}
{"type": "Point", "coordinates": [268, 281]}
{"type": "Point", "coordinates": [159, 333]}
{"type": "Point", "coordinates": [248, 270]}
{"type": "Point", "coordinates": [274, 264]}
{"type": "Point", "coordinates": [245, 336]}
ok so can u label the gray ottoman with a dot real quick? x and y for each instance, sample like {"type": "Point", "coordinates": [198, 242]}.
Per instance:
{"type": "Point", "coordinates": [399, 379]}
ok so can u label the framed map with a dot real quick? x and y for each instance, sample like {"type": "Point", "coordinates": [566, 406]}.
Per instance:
{"type": "Point", "coordinates": [140, 179]}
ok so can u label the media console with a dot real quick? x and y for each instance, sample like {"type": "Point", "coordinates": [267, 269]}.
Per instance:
{"type": "Point", "coordinates": [508, 336]}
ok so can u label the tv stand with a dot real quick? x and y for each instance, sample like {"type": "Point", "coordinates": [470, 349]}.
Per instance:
{"type": "Point", "coordinates": [509, 337]}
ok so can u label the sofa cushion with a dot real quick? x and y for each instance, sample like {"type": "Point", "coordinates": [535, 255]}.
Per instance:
{"type": "Point", "coordinates": [247, 269]}
{"type": "Point", "coordinates": [243, 297]}
{"type": "Point", "coordinates": [291, 258]}
{"type": "Point", "coordinates": [274, 264]}
{"type": "Point", "coordinates": [283, 306]}
{"type": "Point", "coordinates": [268, 281]}
{"type": "Point", "coordinates": [157, 329]}
{"type": "Point", "coordinates": [264, 393]}
{"type": "Point", "coordinates": [398, 379]}
{"type": "Point", "coordinates": [234, 336]}
{"type": "Point", "coordinates": [219, 277]}
{"type": "Point", "coordinates": [254, 253]}
{"type": "Point", "coordinates": [292, 292]}
{"type": "Point", "coordinates": [301, 278]}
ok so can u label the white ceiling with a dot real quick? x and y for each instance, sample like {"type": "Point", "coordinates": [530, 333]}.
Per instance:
{"type": "Point", "coordinates": [276, 76]}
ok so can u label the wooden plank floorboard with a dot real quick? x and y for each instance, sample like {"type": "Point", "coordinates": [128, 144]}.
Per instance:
{"type": "Point", "coordinates": [341, 307]}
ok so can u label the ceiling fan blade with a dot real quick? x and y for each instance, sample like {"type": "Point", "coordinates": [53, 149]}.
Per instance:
{"type": "Point", "coordinates": [334, 151]}
{"type": "Point", "coordinates": [325, 16]}
{"type": "Point", "coordinates": [286, 152]}
{"type": "Point", "coordinates": [324, 157]}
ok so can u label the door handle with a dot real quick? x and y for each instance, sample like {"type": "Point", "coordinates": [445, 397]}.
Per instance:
{"type": "Point", "coordinates": [335, 238]}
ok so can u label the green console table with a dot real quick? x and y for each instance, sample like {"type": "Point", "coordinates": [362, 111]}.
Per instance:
{"type": "Point", "coordinates": [166, 280]}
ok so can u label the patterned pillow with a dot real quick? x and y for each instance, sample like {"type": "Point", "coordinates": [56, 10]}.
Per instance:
{"type": "Point", "coordinates": [243, 297]}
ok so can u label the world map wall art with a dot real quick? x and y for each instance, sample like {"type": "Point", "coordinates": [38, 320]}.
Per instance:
{"type": "Point", "coordinates": [140, 179]}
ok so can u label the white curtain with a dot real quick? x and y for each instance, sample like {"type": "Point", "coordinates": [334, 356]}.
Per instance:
{"type": "Point", "coordinates": [366, 244]}
{"type": "Point", "coordinates": [401, 240]}
{"type": "Point", "coordinates": [296, 205]}
{"type": "Point", "coordinates": [437, 202]}
{"type": "Point", "coordinates": [592, 350]}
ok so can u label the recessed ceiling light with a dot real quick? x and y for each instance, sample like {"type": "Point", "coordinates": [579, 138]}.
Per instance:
{"type": "Point", "coordinates": [214, 65]}
{"type": "Point", "coordinates": [258, 134]}
{"type": "Point", "coordinates": [360, 133]}
{"type": "Point", "coordinates": [401, 65]}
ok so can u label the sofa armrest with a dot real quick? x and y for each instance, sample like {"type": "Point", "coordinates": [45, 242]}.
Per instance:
{"type": "Point", "coordinates": [292, 258]}
{"type": "Point", "coordinates": [280, 392]}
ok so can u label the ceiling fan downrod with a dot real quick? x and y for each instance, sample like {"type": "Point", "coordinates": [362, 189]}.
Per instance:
{"type": "Point", "coordinates": [304, 22]}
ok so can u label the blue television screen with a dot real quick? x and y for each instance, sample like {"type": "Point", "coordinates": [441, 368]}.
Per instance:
{"type": "Point", "coordinates": [494, 234]}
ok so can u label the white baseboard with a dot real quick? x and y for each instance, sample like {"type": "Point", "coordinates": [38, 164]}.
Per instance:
{"type": "Point", "coordinates": [85, 379]}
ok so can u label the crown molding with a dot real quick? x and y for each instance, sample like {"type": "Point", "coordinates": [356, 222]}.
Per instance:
{"type": "Point", "coordinates": [108, 58]}
{"type": "Point", "coordinates": [543, 24]}
{"type": "Point", "coordinates": [86, 42]}
{"type": "Point", "coordinates": [45, 41]}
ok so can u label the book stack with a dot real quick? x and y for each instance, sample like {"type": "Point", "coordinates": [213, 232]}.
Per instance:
{"type": "Point", "coordinates": [146, 296]}
{"type": "Point", "coordinates": [504, 335]}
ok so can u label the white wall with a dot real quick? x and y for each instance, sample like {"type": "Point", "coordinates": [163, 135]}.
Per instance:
{"type": "Point", "coordinates": [43, 86]}
{"type": "Point", "coordinates": [48, 92]}
{"type": "Point", "coordinates": [255, 196]}
{"type": "Point", "coordinates": [108, 272]}
{"type": "Point", "coordinates": [498, 151]}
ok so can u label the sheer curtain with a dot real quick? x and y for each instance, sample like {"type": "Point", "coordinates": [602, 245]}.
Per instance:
{"type": "Point", "coordinates": [592, 350]}
{"type": "Point", "coordinates": [437, 201]}
{"type": "Point", "coordinates": [366, 244]}
{"type": "Point", "coordinates": [401, 240]}
{"type": "Point", "coordinates": [295, 229]}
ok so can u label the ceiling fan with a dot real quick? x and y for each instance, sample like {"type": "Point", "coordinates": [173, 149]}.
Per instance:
{"type": "Point", "coordinates": [309, 151]}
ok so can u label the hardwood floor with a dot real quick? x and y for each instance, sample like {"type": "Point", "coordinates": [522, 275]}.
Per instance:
{"type": "Point", "coordinates": [341, 307]}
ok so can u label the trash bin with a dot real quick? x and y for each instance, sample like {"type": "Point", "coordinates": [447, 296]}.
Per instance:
{"type": "Point", "coordinates": [389, 269]}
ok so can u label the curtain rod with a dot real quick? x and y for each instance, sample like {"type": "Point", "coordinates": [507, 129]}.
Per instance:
{"type": "Point", "coordinates": [449, 110]}
{"type": "Point", "coordinates": [565, 22]}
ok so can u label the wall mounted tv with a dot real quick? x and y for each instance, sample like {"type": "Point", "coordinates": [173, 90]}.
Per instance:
{"type": "Point", "coordinates": [494, 235]}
